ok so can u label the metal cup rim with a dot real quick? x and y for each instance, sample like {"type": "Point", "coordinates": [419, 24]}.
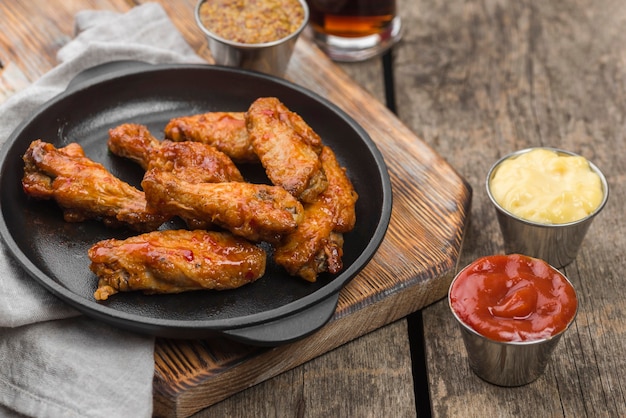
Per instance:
{"type": "Point", "coordinates": [511, 343]}
{"type": "Point", "coordinates": [494, 167]}
{"type": "Point", "coordinates": [249, 46]}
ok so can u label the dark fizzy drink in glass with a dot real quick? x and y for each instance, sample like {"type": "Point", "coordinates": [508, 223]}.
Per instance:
{"type": "Point", "coordinates": [353, 30]}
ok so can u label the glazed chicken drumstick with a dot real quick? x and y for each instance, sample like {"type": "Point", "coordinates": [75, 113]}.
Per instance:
{"type": "Point", "coordinates": [174, 261]}
{"type": "Point", "coordinates": [194, 162]}
{"type": "Point", "coordinates": [258, 212]}
{"type": "Point", "coordinates": [84, 189]}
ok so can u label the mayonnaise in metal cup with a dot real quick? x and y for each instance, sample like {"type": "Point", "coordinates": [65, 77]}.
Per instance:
{"type": "Point", "coordinates": [556, 243]}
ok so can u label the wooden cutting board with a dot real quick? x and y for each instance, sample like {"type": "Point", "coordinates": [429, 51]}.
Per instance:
{"type": "Point", "coordinates": [412, 268]}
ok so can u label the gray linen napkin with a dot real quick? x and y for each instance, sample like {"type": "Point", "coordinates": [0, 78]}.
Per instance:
{"type": "Point", "coordinates": [55, 362]}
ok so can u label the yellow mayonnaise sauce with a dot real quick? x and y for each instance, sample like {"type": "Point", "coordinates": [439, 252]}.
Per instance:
{"type": "Point", "coordinates": [547, 187]}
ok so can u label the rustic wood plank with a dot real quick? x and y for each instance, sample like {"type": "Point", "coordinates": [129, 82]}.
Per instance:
{"type": "Point", "coordinates": [478, 79]}
{"type": "Point", "coordinates": [353, 380]}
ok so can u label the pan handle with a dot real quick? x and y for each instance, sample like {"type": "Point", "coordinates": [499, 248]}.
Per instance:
{"type": "Point", "coordinates": [104, 70]}
{"type": "Point", "coordinates": [287, 329]}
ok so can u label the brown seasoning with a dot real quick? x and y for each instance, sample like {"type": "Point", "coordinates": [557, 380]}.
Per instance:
{"type": "Point", "coordinates": [252, 21]}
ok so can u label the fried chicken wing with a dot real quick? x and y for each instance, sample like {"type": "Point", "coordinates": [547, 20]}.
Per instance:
{"type": "Point", "coordinates": [225, 131]}
{"type": "Point", "coordinates": [84, 189]}
{"type": "Point", "coordinates": [340, 196]}
{"type": "Point", "coordinates": [174, 261]}
{"type": "Point", "coordinates": [313, 248]}
{"type": "Point", "coordinates": [287, 147]}
{"type": "Point", "coordinates": [255, 211]}
{"type": "Point", "coordinates": [194, 162]}
{"type": "Point", "coordinates": [133, 141]}
{"type": "Point", "coordinates": [317, 245]}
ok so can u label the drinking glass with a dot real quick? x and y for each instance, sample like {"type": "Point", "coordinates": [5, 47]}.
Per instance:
{"type": "Point", "coordinates": [354, 30]}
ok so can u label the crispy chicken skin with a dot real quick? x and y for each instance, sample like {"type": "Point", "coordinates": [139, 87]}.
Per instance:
{"type": "Point", "coordinates": [194, 162]}
{"type": "Point", "coordinates": [317, 245]}
{"type": "Point", "coordinates": [174, 261]}
{"type": "Point", "coordinates": [84, 189]}
{"type": "Point", "coordinates": [255, 211]}
{"type": "Point", "coordinates": [225, 131]}
{"type": "Point", "coordinates": [287, 147]}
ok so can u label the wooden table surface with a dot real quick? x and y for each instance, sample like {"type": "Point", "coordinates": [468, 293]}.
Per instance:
{"type": "Point", "coordinates": [475, 80]}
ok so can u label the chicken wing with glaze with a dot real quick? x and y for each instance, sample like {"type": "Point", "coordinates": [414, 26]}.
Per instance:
{"type": "Point", "coordinates": [340, 197]}
{"type": "Point", "coordinates": [317, 245]}
{"type": "Point", "coordinates": [258, 212]}
{"type": "Point", "coordinates": [194, 162]}
{"type": "Point", "coordinates": [225, 131]}
{"type": "Point", "coordinates": [133, 141]}
{"type": "Point", "coordinates": [84, 189]}
{"type": "Point", "coordinates": [174, 261]}
{"type": "Point", "coordinates": [287, 147]}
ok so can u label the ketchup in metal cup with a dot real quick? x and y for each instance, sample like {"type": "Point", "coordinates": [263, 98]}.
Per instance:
{"type": "Point", "coordinates": [513, 298]}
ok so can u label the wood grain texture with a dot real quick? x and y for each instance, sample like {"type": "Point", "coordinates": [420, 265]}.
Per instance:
{"type": "Point", "coordinates": [479, 79]}
{"type": "Point", "coordinates": [368, 377]}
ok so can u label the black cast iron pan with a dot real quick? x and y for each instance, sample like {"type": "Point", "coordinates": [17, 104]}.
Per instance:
{"type": "Point", "coordinates": [274, 310]}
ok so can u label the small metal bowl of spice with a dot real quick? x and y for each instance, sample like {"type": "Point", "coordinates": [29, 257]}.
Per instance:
{"type": "Point", "coordinates": [256, 35]}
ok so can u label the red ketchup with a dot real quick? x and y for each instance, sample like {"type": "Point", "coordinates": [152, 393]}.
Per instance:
{"type": "Point", "coordinates": [513, 298]}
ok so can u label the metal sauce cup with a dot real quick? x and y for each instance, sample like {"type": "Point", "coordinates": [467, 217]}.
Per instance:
{"type": "Point", "coordinates": [557, 244]}
{"type": "Point", "coordinates": [269, 57]}
{"type": "Point", "coordinates": [511, 363]}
